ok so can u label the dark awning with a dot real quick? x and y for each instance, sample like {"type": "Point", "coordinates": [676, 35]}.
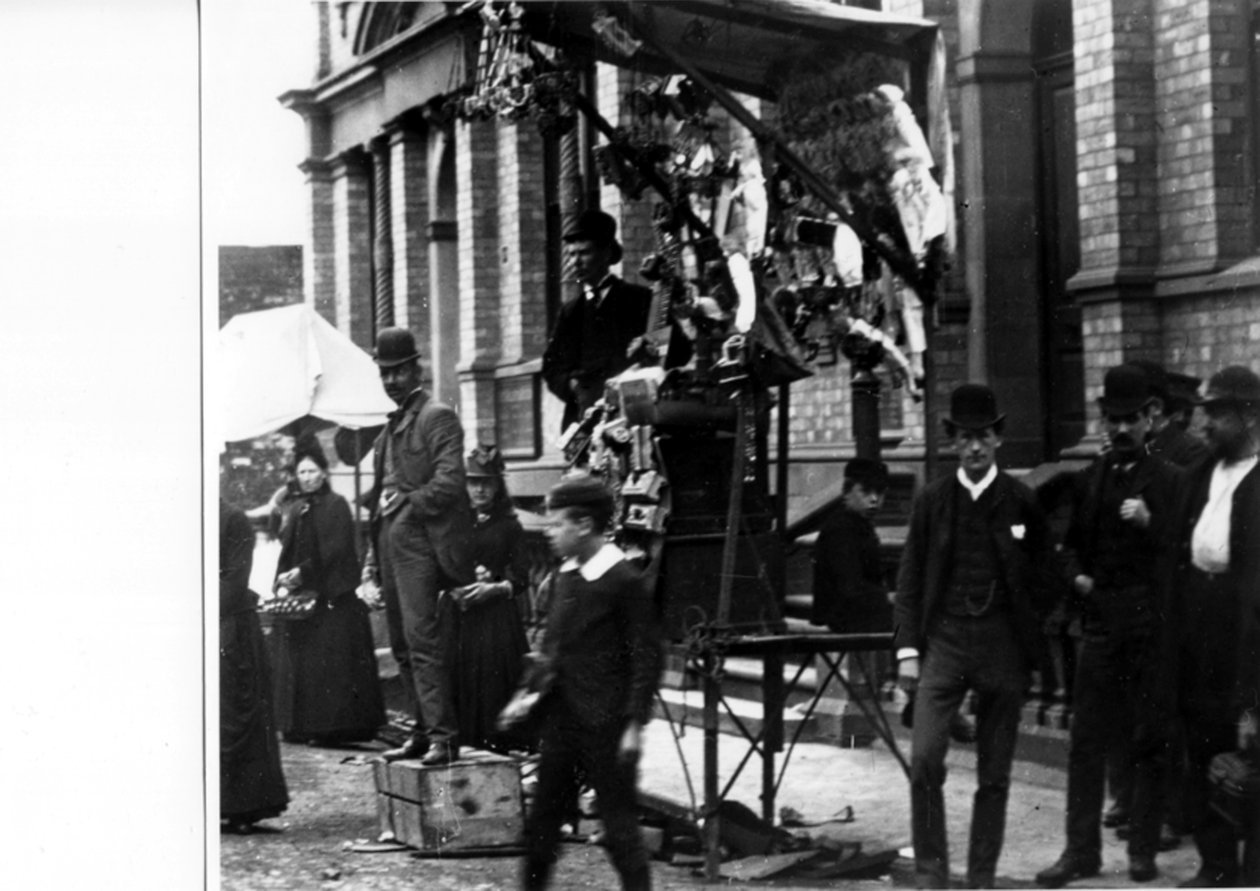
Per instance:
{"type": "Point", "coordinates": [741, 44]}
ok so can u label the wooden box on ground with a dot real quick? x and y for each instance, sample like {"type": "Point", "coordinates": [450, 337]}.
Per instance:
{"type": "Point", "coordinates": [473, 803]}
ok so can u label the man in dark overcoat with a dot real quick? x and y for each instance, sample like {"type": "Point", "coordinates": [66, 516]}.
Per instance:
{"type": "Point", "coordinates": [592, 333]}
{"type": "Point", "coordinates": [1117, 547]}
{"type": "Point", "coordinates": [1214, 638]}
{"type": "Point", "coordinates": [972, 587]}
{"type": "Point", "coordinates": [422, 531]}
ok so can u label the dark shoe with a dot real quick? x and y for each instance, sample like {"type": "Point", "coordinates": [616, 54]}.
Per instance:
{"type": "Point", "coordinates": [961, 729]}
{"type": "Point", "coordinates": [1142, 868]}
{"type": "Point", "coordinates": [1169, 838]}
{"type": "Point", "coordinates": [440, 755]}
{"type": "Point", "coordinates": [1067, 868]}
{"type": "Point", "coordinates": [414, 747]}
{"type": "Point", "coordinates": [1115, 816]}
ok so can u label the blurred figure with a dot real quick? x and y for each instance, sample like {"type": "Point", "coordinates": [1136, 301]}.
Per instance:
{"type": "Point", "coordinates": [328, 687]}
{"type": "Point", "coordinates": [251, 783]}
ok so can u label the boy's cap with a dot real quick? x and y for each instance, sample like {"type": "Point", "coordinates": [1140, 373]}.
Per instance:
{"type": "Point", "coordinates": [867, 473]}
{"type": "Point", "coordinates": [580, 490]}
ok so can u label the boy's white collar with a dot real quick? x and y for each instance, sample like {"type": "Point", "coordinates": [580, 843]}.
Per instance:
{"type": "Point", "coordinates": [604, 559]}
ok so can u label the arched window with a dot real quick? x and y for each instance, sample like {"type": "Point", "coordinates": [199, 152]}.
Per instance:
{"type": "Point", "coordinates": [381, 21]}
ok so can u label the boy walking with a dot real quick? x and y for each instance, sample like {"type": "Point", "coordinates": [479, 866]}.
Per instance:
{"type": "Point", "coordinates": [602, 647]}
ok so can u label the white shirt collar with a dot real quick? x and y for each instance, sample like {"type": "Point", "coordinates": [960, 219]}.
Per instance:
{"type": "Point", "coordinates": [977, 489]}
{"type": "Point", "coordinates": [596, 292]}
{"type": "Point", "coordinates": [604, 559]}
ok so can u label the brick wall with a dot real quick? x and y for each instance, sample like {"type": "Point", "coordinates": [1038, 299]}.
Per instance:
{"type": "Point", "coordinates": [319, 263]}
{"type": "Point", "coordinates": [1201, 82]}
{"type": "Point", "coordinates": [1115, 132]}
{"type": "Point", "coordinates": [1206, 333]}
{"type": "Point", "coordinates": [523, 235]}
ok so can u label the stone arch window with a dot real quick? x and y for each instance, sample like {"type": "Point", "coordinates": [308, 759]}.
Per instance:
{"type": "Point", "coordinates": [382, 21]}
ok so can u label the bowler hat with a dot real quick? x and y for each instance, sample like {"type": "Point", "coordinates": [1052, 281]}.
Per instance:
{"type": "Point", "coordinates": [1126, 390]}
{"type": "Point", "coordinates": [867, 473]}
{"type": "Point", "coordinates": [484, 461]}
{"type": "Point", "coordinates": [597, 227]}
{"type": "Point", "coordinates": [973, 407]}
{"type": "Point", "coordinates": [394, 346]}
{"type": "Point", "coordinates": [1235, 385]}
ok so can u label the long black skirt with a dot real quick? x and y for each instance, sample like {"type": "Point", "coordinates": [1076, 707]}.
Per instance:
{"type": "Point", "coordinates": [486, 661]}
{"type": "Point", "coordinates": [251, 783]}
{"type": "Point", "coordinates": [327, 684]}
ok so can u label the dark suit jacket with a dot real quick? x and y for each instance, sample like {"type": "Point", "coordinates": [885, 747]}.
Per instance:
{"type": "Point", "coordinates": [1151, 552]}
{"type": "Point", "coordinates": [331, 567]}
{"type": "Point", "coordinates": [1243, 575]}
{"type": "Point", "coordinates": [927, 561]}
{"type": "Point", "coordinates": [236, 559]}
{"type": "Point", "coordinates": [593, 357]}
{"type": "Point", "coordinates": [430, 465]}
{"type": "Point", "coordinates": [1178, 447]}
{"type": "Point", "coordinates": [850, 593]}
{"type": "Point", "coordinates": [603, 642]}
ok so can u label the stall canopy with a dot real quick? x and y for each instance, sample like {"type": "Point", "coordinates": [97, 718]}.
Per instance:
{"type": "Point", "coordinates": [279, 365]}
{"type": "Point", "coordinates": [741, 44]}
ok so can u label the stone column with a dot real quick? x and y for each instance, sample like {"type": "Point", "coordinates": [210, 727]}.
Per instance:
{"type": "Point", "coordinates": [382, 237]}
{"type": "Point", "coordinates": [318, 260]}
{"type": "Point", "coordinates": [409, 206]}
{"type": "Point", "coordinates": [1001, 253]}
{"type": "Point", "coordinates": [352, 251]}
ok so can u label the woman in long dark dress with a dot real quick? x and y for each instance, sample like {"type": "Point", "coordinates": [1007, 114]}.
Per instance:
{"type": "Point", "coordinates": [487, 617]}
{"type": "Point", "coordinates": [328, 689]}
{"type": "Point", "coordinates": [251, 783]}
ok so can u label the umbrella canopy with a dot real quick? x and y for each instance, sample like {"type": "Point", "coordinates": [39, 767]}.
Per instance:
{"type": "Point", "coordinates": [282, 364]}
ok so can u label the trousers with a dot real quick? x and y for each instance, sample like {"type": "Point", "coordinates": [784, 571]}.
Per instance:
{"type": "Point", "coordinates": [1109, 700]}
{"type": "Point", "coordinates": [971, 653]}
{"type": "Point", "coordinates": [572, 753]}
{"type": "Point", "coordinates": [411, 580]}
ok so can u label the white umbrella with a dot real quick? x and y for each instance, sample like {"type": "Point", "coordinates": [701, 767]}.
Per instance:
{"type": "Point", "coordinates": [282, 364]}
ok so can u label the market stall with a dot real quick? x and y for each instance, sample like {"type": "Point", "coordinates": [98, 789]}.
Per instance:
{"type": "Point", "coordinates": [831, 234]}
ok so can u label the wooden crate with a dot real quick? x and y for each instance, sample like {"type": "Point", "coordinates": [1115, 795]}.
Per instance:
{"type": "Point", "coordinates": [473, 803]}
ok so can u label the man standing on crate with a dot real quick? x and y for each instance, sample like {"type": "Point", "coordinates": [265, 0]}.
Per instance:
{"type": "Point", "coordinates": [972, 586]}
{"type": "Point", "coordinates": [1118, 547]}
{"type": "Point", "coordinates": [1214, 621]}
{"type": "Point", "coordinates": [422, 533]}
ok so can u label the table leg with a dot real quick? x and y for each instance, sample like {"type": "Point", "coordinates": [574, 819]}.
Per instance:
{"type": "Point", "coordinates": [712, 826]}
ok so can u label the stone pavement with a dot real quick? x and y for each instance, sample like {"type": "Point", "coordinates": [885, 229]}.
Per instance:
{"type": "Point", "coordinates": [333, 805]}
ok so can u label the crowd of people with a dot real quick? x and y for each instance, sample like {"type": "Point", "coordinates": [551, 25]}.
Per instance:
{"type": "Point", "coordinates": [1159, 568]}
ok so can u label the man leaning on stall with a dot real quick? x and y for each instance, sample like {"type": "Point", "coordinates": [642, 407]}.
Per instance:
{"type": "Point", "coordinates": [973, 582]}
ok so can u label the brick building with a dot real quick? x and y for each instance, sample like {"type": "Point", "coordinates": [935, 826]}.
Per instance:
{"type": "Point", "coordinates": [1107, 164]}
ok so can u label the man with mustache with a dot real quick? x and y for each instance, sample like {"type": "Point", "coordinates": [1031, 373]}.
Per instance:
{"type": "Point", "coordinates": [1116, 549]}
{"type": "Point", "coordinates": [422, 534]}
{"type": "Point", "coordinates": [1214, 627]}
{"type": "Point", "coordinates": [972, 590]}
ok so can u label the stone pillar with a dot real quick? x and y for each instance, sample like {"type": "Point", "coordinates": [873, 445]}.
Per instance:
{"type": "Point", "coordinates": [442, 233]}
{"type": "Point", "coordinates": [382, 237]}
{"type": "Point", "coordinates": [409, 207]}
{"type": "Point", "coordinates": [1001, 254]}
{"type": "Point", "coordinates": [480, 270]}
{"type": "Point", "coordinates": [352, 251]}
{"type": "Point", "coordinates": [318, 260]}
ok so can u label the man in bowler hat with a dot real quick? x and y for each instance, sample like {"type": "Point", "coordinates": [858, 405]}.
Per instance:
{"type": "Point", "coordinates": [1117, 546]}
{"type": "Point", "coordinates": [1214, 619]}
{"type": "Point", "coordinates": [422, 527]}
{"type": "Point", "coordinates": [973, 585]}
{"type": "Point", "coordinates": [589, 341]}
